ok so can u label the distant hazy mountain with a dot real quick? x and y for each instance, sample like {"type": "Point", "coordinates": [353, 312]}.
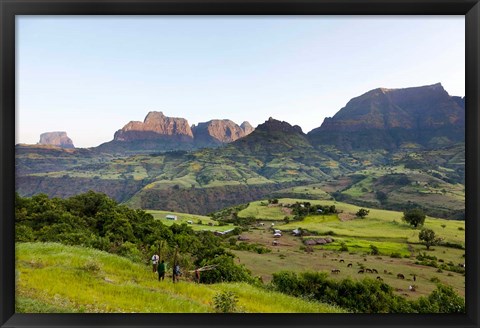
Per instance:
{"type": "Point", "coordinates": [57, 138]}
{"type": "Point", "coordinates": [387, 118]}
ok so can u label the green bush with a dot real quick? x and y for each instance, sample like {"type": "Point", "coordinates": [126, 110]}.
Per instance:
{"type": "Point", "coordinates": [225, 271]}
{"type": "Point", "coordinates": [225, 302]}
{"type": "Point", "coordinates": [364, 296]}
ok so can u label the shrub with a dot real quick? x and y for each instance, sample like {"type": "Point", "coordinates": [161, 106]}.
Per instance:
{"type": "Point", "coordinates": [91, 266]}
{"type": "Point", "coordinates": [396, 255]}
{"type": "Point", "coordinates": [374, 250]}
{"type": "Point", "coordinates": [225, 271]}
{"type": "Point", "coordinates": [343, 247]}
{"type": "Point", "coordinates": [362, 213]}
{"type": "Point", "coordinates": [225, 302]}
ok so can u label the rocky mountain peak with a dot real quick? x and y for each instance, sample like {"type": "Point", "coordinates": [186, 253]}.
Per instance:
{"type": "Point", "coordinates": [155, 125]}
{"type": "Point", "coordinates": [387, 118]}
{"type": "Point", "coordinates": [273, 125]}
{"type": "Point", "coordinates": [217, 132]}
{"type": "Point", "coordinates": [56, 138]}
{"type": "Point", "coordinates": [247, 127]}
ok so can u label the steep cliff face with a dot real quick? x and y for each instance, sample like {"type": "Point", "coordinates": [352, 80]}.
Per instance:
{"type": "Point", "coordinates": [217, 132]}
{"type": "Point", "coordinates": [56, 138]}
{"type": "Point", "coordinates": [159, 133]}
{"type": "Point", "coordinates": [155, 126]}
{"type": "Point", "coordinates": [386, 118]}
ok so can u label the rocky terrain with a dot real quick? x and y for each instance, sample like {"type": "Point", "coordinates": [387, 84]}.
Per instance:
{"type": "Point", "coordinates": [389, 118]}
{"type": "Point", "coordinates": [156, 125]}
{"type": "Point", "coordinates": [159, 133]}
{"type": "Point", "coordinates": [217, 132]}
{"type": "Point", "coordinates": [57, 138]}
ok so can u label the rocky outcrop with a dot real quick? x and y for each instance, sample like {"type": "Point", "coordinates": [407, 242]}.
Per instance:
{"type": "Point", "coordinates": [156, 126]}
{"type": "Point", "coordinates": [387, 118]}
{"type": "Point", "coordinates": [247, 127]}
{"type": "Point", "coordinates": [56, 138]}
{"type": "Point", "coordinates": [160, 133]}
{"type": "Point", "coordinates": [217, 132]}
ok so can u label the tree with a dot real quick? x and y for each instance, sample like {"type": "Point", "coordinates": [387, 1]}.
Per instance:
{"type": "Point", "coordinates": [362, 213]}
{"type": "Point", "coordinates": [414, 217]}
{"type": "Point", "coordinates": [428, 237]}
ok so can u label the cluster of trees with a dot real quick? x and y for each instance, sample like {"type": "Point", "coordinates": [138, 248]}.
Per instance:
{"type": "Point", "coordinates": [416, 217]}
{"type": "Point", "coordinates": [364, 296]}
{"type": "Point", "coordinates": [302, 209]}
{"type": "Point", "coordinates": [95, 220]}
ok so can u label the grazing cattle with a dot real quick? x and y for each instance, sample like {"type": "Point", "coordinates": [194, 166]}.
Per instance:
{"type": "Point", "coordinates": [342, 261]}
{"type": "Point", "coordinates": [361, 271]}
{"type": "Point", "coordinates": [374, 271]}
{"type": "Point", "coordinates": [349, 265]}
{"type": "Point", "coordinates": [364, 259]}
{"type": "Point", "coordinates": [400, 276]}
{"type": "Point", "coordinates": [385, 271]}
{"type": "Point", "coordinates": [368, 270]}
{"type": "Point", "coordinates": [379, 278]}
{"type": "Point", "coordinates": [411, 288]}
{"type": "Point", "coordinates": [335, 271]}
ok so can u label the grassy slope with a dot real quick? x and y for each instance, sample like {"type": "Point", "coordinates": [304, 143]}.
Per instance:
{"type": "Point", "coordinates": [57, 278]}
{"type": "Point", "coordinates": [383, 223]}
{"type": "Point", "coordinates": [185, 217]}
{"type": "Point", "coordinates": [381, 228]}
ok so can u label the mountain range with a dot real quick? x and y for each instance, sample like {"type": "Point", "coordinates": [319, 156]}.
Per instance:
{"type": "Point", "coordinates": [162, 133]}
{"type": "Point", "coordinates": [367, 148]}
{"type": "Point", "coordinates": [382, 118]}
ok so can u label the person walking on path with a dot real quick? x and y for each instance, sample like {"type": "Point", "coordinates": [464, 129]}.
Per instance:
{"type": "Point", "coordinates": [176, 272]}
{"type": "Point", "coordinates": [161, 270]}
{"type": "Point", "coordinates": [197, 276]}
{"type": "Point", "coordinates": [155, 259]}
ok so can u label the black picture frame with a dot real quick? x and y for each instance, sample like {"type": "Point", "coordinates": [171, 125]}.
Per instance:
{"type": "Point", "coordinates": [10, 8]}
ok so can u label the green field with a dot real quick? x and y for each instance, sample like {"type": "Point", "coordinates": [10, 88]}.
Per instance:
{"type": "Point", "coordinates": [382, 229]}
{"type": "Point", "coordinates": [56, 278]}
{"type": "Point", "coordinates": [185, 217]}
{"type": "Point", "coordinates": [378, 224]}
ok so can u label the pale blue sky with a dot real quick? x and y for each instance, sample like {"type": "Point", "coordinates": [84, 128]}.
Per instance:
{"type": "Point", "coordinates": [90, 75]}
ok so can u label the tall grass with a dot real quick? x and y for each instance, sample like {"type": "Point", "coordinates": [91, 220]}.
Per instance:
{"type": "Point", "coordinates": [57, 278]}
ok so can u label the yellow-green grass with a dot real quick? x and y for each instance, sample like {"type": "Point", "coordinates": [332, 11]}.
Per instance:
{"type": "Point", "coordinates": [185, 217]}
{"type": "Point", "coordinates": [59, 278]}
{"type": "Point", "coordinates": [363, 245]}
{"type": "Point", "coordinates": [262, 211]}
{"type": "Point", "coordinates": [293, 259]}
{"type": "Point", "coordinates": [378, 223]}
{"type": "Point", "coordinates": [314, 190]}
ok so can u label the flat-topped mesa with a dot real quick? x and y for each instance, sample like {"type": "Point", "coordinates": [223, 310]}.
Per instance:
{"type": "Point", "coordinates": [218, 132]}
{"type": "Point", "coordinates": [56, 138]}
{"type": "Point", "coordinates": [155, 126]}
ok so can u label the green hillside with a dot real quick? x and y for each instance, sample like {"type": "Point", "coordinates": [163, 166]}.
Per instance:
{"type": "Point", "coordinates": [53, 277]}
